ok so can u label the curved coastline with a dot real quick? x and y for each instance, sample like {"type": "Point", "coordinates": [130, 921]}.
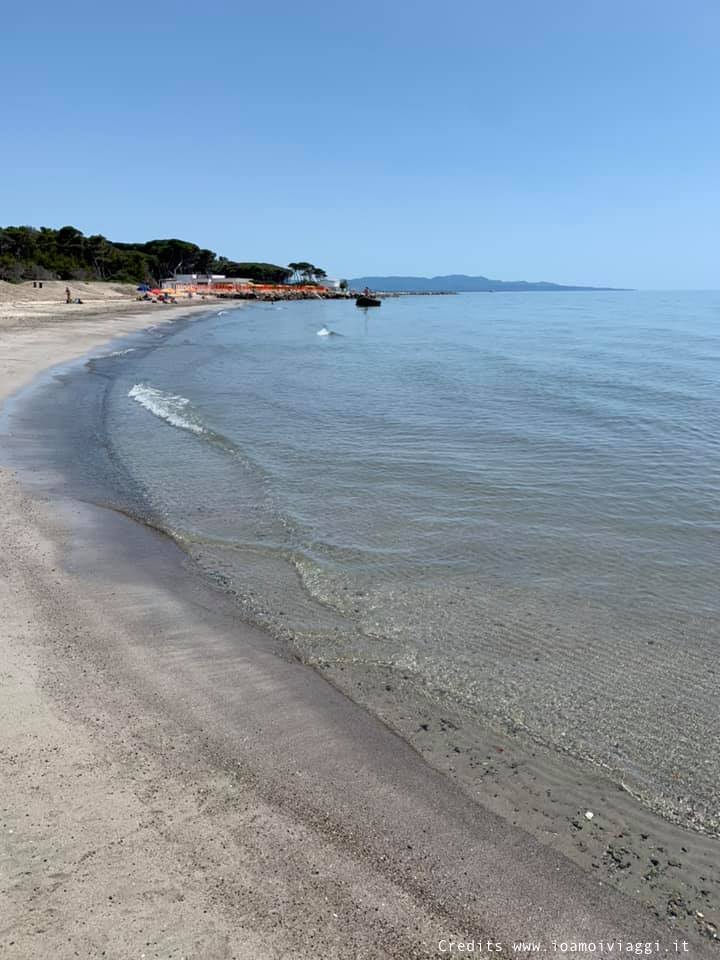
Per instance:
{"type": "Point", "coordinates": [249, 772]}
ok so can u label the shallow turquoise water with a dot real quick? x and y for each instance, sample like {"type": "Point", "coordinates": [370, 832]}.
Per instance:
{"type": "Point", "coordinates": [568, 441]}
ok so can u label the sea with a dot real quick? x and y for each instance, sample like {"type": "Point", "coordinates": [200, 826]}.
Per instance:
{"type": "Point", "coordinates": [512, 498]}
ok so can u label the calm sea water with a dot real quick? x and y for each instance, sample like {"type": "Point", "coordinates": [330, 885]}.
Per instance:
{"type": "Point", "coordinates": [515, 497]}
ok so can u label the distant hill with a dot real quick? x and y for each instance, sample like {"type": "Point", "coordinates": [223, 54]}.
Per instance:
{"type": "Point", "coordinates": [457, 282]}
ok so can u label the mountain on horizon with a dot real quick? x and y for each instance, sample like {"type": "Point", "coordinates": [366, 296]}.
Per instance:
{"type": "Point", "coordinates": [457, 283]}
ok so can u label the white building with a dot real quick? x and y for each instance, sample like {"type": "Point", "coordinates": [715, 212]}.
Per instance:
{"type": "Point", "coordinates": [191, 280]}
{"type": "Point", "coordinates": [202, 281]}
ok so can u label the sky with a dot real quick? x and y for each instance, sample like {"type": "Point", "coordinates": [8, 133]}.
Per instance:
{"type": "Point", "coordinates": [576, 142]}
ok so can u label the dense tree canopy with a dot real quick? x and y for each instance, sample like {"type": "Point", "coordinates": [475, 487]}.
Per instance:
{"type": "Point", "coordinates": [29, 253]}
{"type": "Point", "coordinates": [259, 272]}
{"type": "Point", "coordinates": [304, 272]}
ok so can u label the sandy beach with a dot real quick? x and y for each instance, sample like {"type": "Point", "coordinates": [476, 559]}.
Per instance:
{"type": "Point", "coordinates": [175, 785]}
{"type": "Point", "coordinates": [24, 305]}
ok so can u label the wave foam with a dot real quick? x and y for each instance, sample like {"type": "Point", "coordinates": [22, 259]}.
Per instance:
{"type": "Point", "coordinates": [166, 406]}
{"type": "Point", "coordinates": [120, 353]}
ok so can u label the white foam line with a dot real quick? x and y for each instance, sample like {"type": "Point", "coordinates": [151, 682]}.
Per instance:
{"type": "Point", "coordinates": [119, 353]}
{"type": "Point", "coordinates": [166, 406]}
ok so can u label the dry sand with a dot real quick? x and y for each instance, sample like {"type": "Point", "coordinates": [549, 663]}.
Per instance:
{"type": "Point", "coordinates": [174, 787]}
{"type": "Point", "coordinates": [23, 305]}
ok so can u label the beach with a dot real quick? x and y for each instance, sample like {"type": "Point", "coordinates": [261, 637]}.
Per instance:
{"type": "Point", "coordinates": [178, 785]}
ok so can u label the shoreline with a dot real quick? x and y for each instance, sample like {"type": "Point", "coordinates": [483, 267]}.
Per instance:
{"type": "Point", "coordinates": [243, 794]}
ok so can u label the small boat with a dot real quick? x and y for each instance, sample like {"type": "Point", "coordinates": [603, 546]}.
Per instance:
{"type": "Point", "coordinates": [365, 301]}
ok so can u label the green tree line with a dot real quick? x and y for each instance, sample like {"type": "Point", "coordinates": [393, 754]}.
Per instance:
{"type": "Point", "coordinates": [304, 272]}
{"type": "Point", "coordinates": [30, 253]}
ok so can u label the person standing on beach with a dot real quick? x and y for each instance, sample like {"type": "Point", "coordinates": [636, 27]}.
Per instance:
{"type": "Point", "coordinates": [68, 298]}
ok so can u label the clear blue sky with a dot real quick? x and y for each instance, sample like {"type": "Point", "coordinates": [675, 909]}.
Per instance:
{"type": "Point", "coordinates": [575, 140]}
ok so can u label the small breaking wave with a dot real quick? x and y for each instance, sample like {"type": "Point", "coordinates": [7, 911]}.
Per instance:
{"type": "Point", "coordinates": [120, 353]}
{"type": "Point", "coordinates": [167, 406]}
{"type": "Point", "coordinates": [109, 355]}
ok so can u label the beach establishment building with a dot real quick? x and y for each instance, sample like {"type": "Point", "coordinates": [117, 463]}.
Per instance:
{"type": "Point", "coordinates": [217, 284]}
{"type": "Point", "coordinates": [205, 283]}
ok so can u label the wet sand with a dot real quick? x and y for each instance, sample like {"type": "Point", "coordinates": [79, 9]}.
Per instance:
{"type": "Point", "coordinates": [175, 786]}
